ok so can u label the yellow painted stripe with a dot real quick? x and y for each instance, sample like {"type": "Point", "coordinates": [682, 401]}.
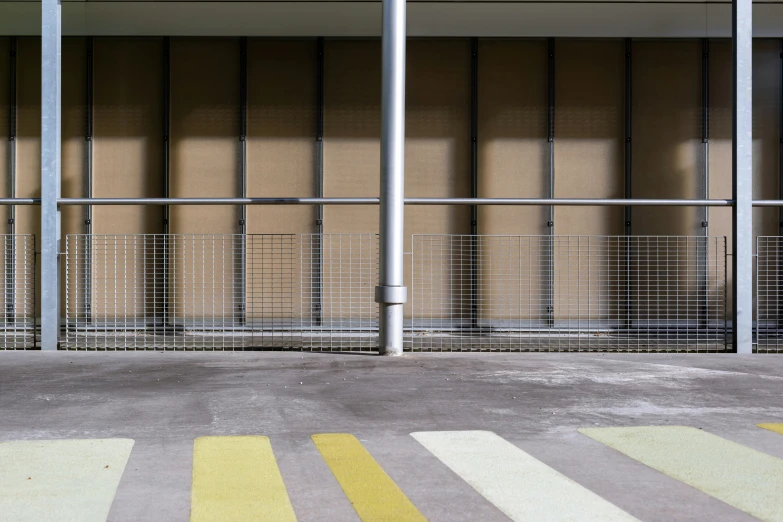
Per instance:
{"type": "Point", "coordinates": [60, 480]}
{"type": "Point", "coordinates": [742, 477]}
{"type": "Point", "coordinates": [374, 495]}
{"type": "Point", "coordinates": [776, 427]}
{"type": "Point", "coordinates": [237, 479]}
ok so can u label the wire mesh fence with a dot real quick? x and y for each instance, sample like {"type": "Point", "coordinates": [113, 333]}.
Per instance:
{"type": "Point", "coordinates": [769, 294]}
{"type": "Point", "coordinates": [221, 292]}
{"type": "Point", "coordinates": [568, 293]}
{"type": "Point", "coordinates": [18, 324]}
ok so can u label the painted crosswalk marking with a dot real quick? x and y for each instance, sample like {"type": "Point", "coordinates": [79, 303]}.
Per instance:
{"type": "Point", "coordinates": [237, 479]}
{"type": "Point", "coordinates": [776, 427]}
{"type": "Point", "coordinates": [373, 494]}
{"type": "Point", "coordinates": [63, 480]}
{"type": "Point", "coordinates": [739, 476]}
{"type": "Point", "coordinates": [521, 486]}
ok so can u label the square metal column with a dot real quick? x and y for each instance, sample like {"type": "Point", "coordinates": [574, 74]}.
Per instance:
{"type": "Point", "coordinates": [742, 175]}
{"type": "Point", "coordinates": [51, 32]}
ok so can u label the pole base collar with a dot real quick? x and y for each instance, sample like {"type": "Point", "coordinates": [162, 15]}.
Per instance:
{"type": "Point", "coordinates": [391, 294]}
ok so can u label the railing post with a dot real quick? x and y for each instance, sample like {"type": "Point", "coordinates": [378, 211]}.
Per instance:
{"type": "Point", "coordinates": [50, 171]}
{"type": "Point", "coordinates": [742, 174]}
{"type": "Point", "coordinates": [391, 293]}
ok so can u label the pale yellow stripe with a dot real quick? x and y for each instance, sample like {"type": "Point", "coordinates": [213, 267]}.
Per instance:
{"type": "Point", "coordinates": [60, 480]}
{"type": "Point", "coordinates": [374, 495]}
{"type": "Point", "coordinates": [237, 479]}
{"type": "Point", "coordinates": [739, 476]}
{"type": "Point", "coordinates": [776, 427]}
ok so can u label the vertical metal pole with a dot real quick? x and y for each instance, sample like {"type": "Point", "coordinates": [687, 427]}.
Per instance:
{"type": "Point", "coordinates": [780, 185]}
{"type": "Point", "coordinates": [742, 174]}
{"type": "Point", "coordinates": [703, 250]}
{"type": "Point", "coordinates": [87, 262]}
{"type": "Point", "coordinates": [166, 175]}
{"type": "Point", "coordinates": [550, 250]}
{"type": "Point", "coordinates": [319, 187]}
{"type": "Point", "coordinates": [391, 293]}
{"type": "Point", "coordinates": [628, 181]}
{"type": "Point", "coordinates": [474, 286]}
{"type": "Point", "coordinates": [242, 279]}
{"type": "Point", "coordinates": [10, 245]}
{"type": "Point", "coordinates": [51, 32]}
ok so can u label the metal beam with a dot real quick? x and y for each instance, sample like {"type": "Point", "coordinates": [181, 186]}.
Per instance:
{"type": "Point", "coordinates": [391, 293]}
{"type": "Point", "coordinates": [703, 249]}
{"type": "Point", "coordinates": [51, 40]}
{"type": "Point", "coordinates": [550, 124]}
{"type": "Point", "coordinates": [319, 186]}
{"type": "Point", "coordinates": [242, 254]}
{"type": "Point", "coordinates": [85, 267]}
{"type": "Point", "coordinates": [742, 174]}
{"type": "Point", "coordinates": [474, 286]}
{"type": "Point", "coordinates": [10, 245]}
{"type": "Point", "coordinates": [627, 176]}
{"type": "Point", "coordinates": [166, 188]}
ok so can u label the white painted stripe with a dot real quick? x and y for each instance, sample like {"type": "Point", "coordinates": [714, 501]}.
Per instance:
{"type": "Point", "coordinates": [62, 480]}
{"type": "Point", "coordinates": [739, 476]}
{"type": "Point", "coordinates": [521, 486]}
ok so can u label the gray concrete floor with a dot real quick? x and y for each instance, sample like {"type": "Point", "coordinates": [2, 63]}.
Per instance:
{"type": "Point", "coordinates": [535, 401]}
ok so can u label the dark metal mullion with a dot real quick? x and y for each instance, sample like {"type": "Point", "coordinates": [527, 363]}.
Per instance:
{"type": "Point", "coordinates": [550, 251]}
{"type": "Point", "coordinates": [703, 250]}
{"type": "Point", "coordinates": [474, 284]}
{"type": "Point", "coordinates": [780, 186]}
{"type": "Point", "coordinates": [166, 175]}
{"type": "Point", "coordinates": [10, 283]}
{"type": "Point", "coordinates": [319, 186]}
{"type": "Point", "coordinates": [86, 266]}
{"type": "Point", "coordinates": [242, 279]}
{"type": "Point", "coordinates": [628, 182]}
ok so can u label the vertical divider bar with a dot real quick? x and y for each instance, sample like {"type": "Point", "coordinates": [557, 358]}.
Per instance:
{"type": "Point", "coordinates": [10, 245]}
{"type": "Point", "coordinates": [628, 181]}
{"type": "Point", "coordinates": [779, 284]}
{"type": "Point", "coordinates": [703, 250]}
{"type": "Point", "coordinates": [242, 265]}
{"type": "Point", "coordinates": [317, 250]}
{"type": "Point", "coordinates": [85, 268]}
{"type": "Point", "coordinates": [166, 181]}
{"type": "Point", "coordinates": [550, 250]}
{"type": "Point", "coordinates": [474, 269]}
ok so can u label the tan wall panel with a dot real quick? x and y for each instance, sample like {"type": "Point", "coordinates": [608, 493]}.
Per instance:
{"type": "Point", "coordinates": [667, 149]}
{"type": "Point", "coordinates": [589, 163]}
{"type": "Point", "coordinates": [352, 130]}
{"type": "Point", "coordinates": [205, 160]}
{"type": "Point", "coordinates": [28, 128]}
{"type": "Point", "coordinates": [512, 119]}
{"type": "Point", "coordinates": [5, 107]}
{"type": "Point", "coordinates": [127, 162]}
{"type": "Point", "coordinates": [437, 144]}
{"type": "Point", "coordinates": [766, 136]}
{"type": "Point", "coordinates": [281, 146]}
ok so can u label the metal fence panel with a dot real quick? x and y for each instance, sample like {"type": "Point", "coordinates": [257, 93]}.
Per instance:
{"type": "Point", "coordinates": [769, 294]}
{"type": "Point", "coordinates": [568, 293]}
{"type": "Point", "coordinates": [18, 323]}
{"type": "Point", "coordinates": [220, 292]}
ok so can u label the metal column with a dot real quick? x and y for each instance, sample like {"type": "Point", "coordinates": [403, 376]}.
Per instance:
{"type": "Point", "coordinates": [550, 223]}
{"type": "Point", "coordinates": [742, 175]}
{"type": "Point", "coordinates": [86, 265]}
{"type": "Point", "coordinates": [703, 259]}
{"type": "Point", "coordinates": [242, 265]}
{"type": "Point", "coordinates": [10, 247]}
{"type": "Point", "coordinates": [51, 32]}
{"type": "Point", "coordinates": [319, 187]}
{"type": "Point", "coordinates": [474, 286]}
{"type": "Point", "coordinates": [628, 181]}
{"type": "Point", "coordinates": [391, 293]}
{"type": "Point", "coordinates": [166, 181]}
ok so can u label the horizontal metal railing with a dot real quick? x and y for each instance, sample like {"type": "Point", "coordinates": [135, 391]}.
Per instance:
{"type": "Point", "coordinates": [408, 201]}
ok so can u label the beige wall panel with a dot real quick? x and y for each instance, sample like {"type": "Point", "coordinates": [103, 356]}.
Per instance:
{"type": "Point", "coordinates": [127, 162]}
{"type": "Point", "coordinates": [28, 129]}
{"type": "Point", "coordinates": [589, 163]}
{"type": "Point", "coordinates": [667, 149]}
{"type": "Point", "coordinates": [766, 136]}
{"type": "Point", "coordinates": [512, 131]}
{"type": "Point", "coordinates": [437, 144]}
{"type": "Point", "coordinates": [5, 107]}
{"type": "Point", "coordinates": [352, 130]}
{"type": "Point", "coordinates": [205, 160]}
{"type": "Point", "coordinates": [281, 161]}
{"type": "Point", "coordinates": [281, 146]}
